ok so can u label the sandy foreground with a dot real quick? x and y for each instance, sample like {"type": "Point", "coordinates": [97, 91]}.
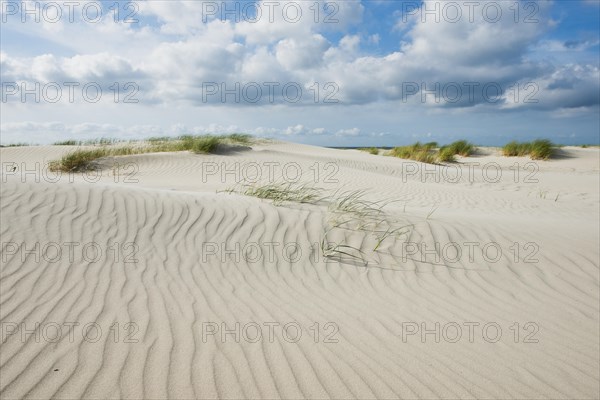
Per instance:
{"type": "Point", "coordinates": [147, 281]}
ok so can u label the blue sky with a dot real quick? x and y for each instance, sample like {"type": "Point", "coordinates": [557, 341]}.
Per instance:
{"type": "Point", "coordinates": [372, 73]}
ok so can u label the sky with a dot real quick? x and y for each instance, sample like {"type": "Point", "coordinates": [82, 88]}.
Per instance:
{"type": "Point", "coordinates": [330, 73]}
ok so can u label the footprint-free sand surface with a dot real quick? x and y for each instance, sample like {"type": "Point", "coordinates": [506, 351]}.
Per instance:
{"type": "Point", "coordinates": [150, 280]}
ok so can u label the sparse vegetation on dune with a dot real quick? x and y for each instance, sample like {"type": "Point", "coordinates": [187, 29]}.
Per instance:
{"type": "Point", "coordinates": [67, 143]}
{"type": "Point", "coordinates": [462, 148]}
{"type": "Point", "coordinates": [418, 152]}
{"type": "Point", "coordinates": [284, 192]}
{"type": "Point", "coordinates": [197, 144]}
{"type": "Point", "coordinates": [78, 160]}
{"type": "Point", "coordinates": [459, 148]}
{"type": "Point", "coordinates": [16, 145]}
{"type": "Point", "coordinates": [515, 149]}
{"type": "Point", "coordinates": [370, 150]}
{"type": "Point", "coordinates": [232, 138]}
{"type": "Point", "coordinates": [81, 159]}
{"type": "Point", "coordinates": [88, 142]}
{"type": "Point", "coordinates": [427, 152]}
{"type": "Point", "coordinates": [541, 149]}
{"type": "Point", "coordinates": [242, 138]}
{"type": "Point", "coordinates": [446, 154]}
{"type": "Point", "coordinates": [159, 139]}
{"type": "Point", "coordinates": [347, 211]}
{"type": "Point", "coordinates": [102, 141]}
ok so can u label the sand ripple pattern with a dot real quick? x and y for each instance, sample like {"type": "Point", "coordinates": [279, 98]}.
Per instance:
{"type": "Point", "coordinates": [195, 267]}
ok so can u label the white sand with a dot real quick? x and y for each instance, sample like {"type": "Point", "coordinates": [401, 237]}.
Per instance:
{"type": "Point", "coordinates": [179, 288]}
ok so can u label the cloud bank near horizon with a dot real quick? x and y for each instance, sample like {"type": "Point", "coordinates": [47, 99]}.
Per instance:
{"type": "Point", "coordinates": [315, 72]}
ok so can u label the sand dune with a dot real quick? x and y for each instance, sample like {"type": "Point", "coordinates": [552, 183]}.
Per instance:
{"type": "Point", "coordinates": [134, 276]}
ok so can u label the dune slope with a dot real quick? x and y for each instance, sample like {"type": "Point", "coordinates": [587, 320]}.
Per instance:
{"type": "Point", "coordinates": [150, 283]}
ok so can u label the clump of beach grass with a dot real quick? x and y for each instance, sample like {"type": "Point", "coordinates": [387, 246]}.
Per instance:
{"type": "Point", "coordinates": [446, 154]}
{"type": "Point", "coordinates": [417, 152]}
{"type": "Point", "coordinates": [541, 149]}
{"type": "Point", "coordinates": [427, 152]}
{"type": "Point", "coordinates": [242, 138]}
{"type": "Point", "coordinates": [462, 148]}
{"type": "Point", "coordinates": [459, 148]}
{"type": "Point", "coordinates": [370, 150]}
{"type": "Point", "coordinates": [516, 149]}
{"type": "Point", "coordinates": [79, 160]}
{"type": "Point", "coordinates": [198, 144]}
{"type": "Point", "coordinates": [283, 192]}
